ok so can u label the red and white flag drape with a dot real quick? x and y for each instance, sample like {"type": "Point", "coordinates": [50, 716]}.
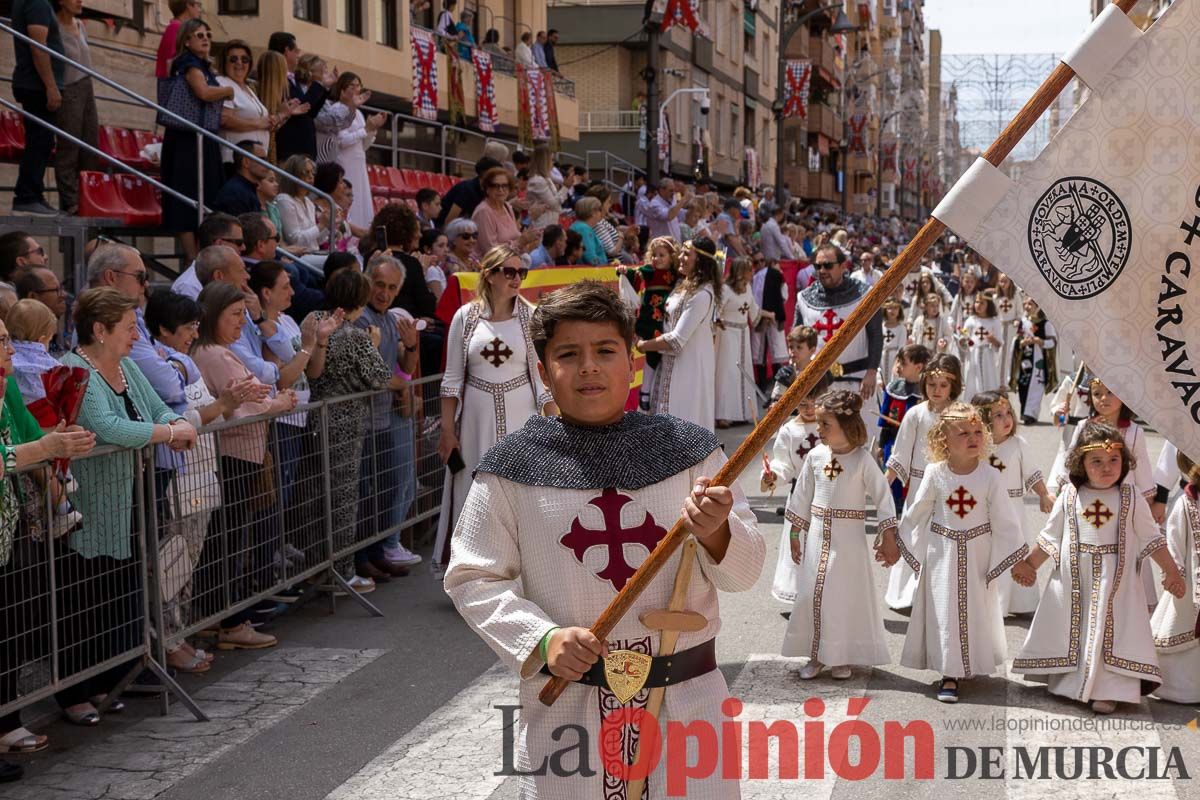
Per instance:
{"type": "Point", "coordinates": [910, 170]}
{"type": "Point", "coordinates": [485, 90]}
{"type": "Point", "coordinates": [753, 169]}
{"type": "Point", "coordinates": [425, 83]}
{"type": "Point", "coordinates": [682, 12]}
{"type": "Point", "coordinates": [539, 109]}
{"type": "Point", "coordinates": [858, 141]}
{"type": "Point", "coordinates": [890, 150]}
{"type": "Point", "coordinates": [797, 74]}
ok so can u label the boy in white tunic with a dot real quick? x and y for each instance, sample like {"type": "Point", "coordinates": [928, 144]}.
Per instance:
{"type": "Point", "coordinates": [959, 533]}
{"type": "Point", "coordinates": [795, 440]}
{"type": "Point", "coordinates": [1090, 640]}
{"type": "Point", "coordinates": [561, 514]}
{"type": "Point", "coordinates": [836, 620]}
{"type": "Point", "coordinates": [941, 383]}
{"type": "Point", "coordinates": [1176, 624]}
{"type": "Point", "coordinates": [1010, 457]}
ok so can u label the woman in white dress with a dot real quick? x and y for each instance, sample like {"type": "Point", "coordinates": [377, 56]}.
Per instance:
{"type": "Point", "coordinates": [243, 116]}
{"type": "Point", "coordinates": [737, 399]}
{"type": "Point", "coordinates": [491, 384]}
{"type": "Point", "coordinates": [685, 384]}
{"type": "Point", "coordinates": [343, 137]}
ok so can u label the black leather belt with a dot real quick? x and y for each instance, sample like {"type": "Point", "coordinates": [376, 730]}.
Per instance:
{"type": "Point", "coordinates": [664, 670]}
{"type": "Point", "coordinates": [850, 367]}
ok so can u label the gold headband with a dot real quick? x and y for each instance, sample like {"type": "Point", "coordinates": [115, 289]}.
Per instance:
{"type": "Point", "coordinates": [959, 416]}
{"type": "Point", "coordinates": [1094, 382]}
{"type": "Point", "coordinates": [934, 373]}
{"type": "Point", "coordinates": [1108, 445]}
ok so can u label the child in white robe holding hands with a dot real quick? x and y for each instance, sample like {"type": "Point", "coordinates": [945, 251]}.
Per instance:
{"type": "Point", "coordinates": [836, 618]}
{"type": "Point", "coordinates": [1175, 621]}
{"type": "Point", "coordinates": [1090, 639]}
{"type": "Point", "coordinates": [959, 534]}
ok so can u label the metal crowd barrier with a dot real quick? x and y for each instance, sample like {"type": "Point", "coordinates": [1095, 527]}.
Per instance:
{"type": "Point", "coordinates": [260, 505]}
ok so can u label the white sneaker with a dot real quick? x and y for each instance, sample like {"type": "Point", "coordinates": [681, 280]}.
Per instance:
{"type": "Point", "coordinates": [399, 554]}
{"type": "Point", "coordinates": [1104, 706]}
{"type": "Point", "coordinates": [811, 670]}
{"type": "Point", "coordinates": [840, 673]}
{"type": "Point", "coordinates": [361, 585]}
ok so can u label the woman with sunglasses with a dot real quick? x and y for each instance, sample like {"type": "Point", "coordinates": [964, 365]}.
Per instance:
{"type": "Point", "coordinates": [495, 218]}
{"type": "Point", "coordinates": [243, 117]}
{"type": "Point", "coordinates": [462, 235]}
{"type": "Point", "coordinates": [180, 158]}
{"type": "Point", "coordinates": [491, 384]}
{"type": "Point", "coordinates": [685, 383]}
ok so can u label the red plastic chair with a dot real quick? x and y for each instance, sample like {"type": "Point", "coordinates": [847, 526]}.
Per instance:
{"type": "Point", "coordinates": [143, 138]}
{"type": "Point", "coordinates": [142, 199]}
{"type": "Point", "coordinates": [378, 202]}
{"type": "Point", "coordinates": [445, 183]}
{"type": "Point", "coordinates": [11, 146]}
{"type": "Point", "coordinates": [98, 197]}
{"type": "Point", "coordinates": [377, 177]}
{"type": "Point", "coordinates": [110, 143]}
{"type": "Point", "coordinates": [394, 182]}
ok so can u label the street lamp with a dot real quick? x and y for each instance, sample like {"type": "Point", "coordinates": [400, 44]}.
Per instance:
{"type": "Point", "coordinates": [841, 24]}
{"type": "Point", "coordinates": [705, 104]}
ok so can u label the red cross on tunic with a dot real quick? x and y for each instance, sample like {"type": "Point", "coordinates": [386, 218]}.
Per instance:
{"type": "Point", "coordinates": [1097, 513]}
{"type": "Point", "coordinates": [829, 324]}
{"type": "Point", "coordinates": [997, 463]}
{"type": "Point", "coordinates": [809, 442]}
{"type": "Point", "coordinates": [961, 502]}
{"type": "Point", "coordinates": [613, 537]}
{"type": "Point", "coordinates": [833, 469]}
{"type": "Point", "coordinates": [496, 352]}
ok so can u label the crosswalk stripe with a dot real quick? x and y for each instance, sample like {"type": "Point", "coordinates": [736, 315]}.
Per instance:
{"type": "Point", "coordinates": [451, 753]}
{"type": "Point", "coordinates": [155, 754]}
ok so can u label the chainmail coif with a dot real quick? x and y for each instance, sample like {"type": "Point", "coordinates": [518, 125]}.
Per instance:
{"type": "Point", "coordinates": [639, 451]}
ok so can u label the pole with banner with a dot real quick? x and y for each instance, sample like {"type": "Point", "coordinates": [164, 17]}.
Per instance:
{"type": "Point", "coordinates": [825, 358]}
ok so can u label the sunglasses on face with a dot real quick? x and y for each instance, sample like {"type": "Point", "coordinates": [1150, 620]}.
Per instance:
{"type": "Point", "coordinates": [205, 35]}
{"type": "Point", "coordinates": [513, 272]}
{"type": "Point", "coordinates": [468, 236]}
{"type": "Point", "coordinates": [39, 250]}
{"type": "Point", "coordinates": [504, 186]}
{"type": "Point", "coordinates": [238, 59]}
{"type": "Point", "coordinates": [141, 277]}
{"type": "Point", "coordinates": [826, 264]}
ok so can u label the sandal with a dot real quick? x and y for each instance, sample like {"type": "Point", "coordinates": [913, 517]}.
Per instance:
{"type": "Point", "coordinates": [947, 693]}
{"type": "Point", "coordinates": [86, 715]}
{"type": "Point", "coordinates": [21, 741]}
{"type": "Point", "coordinates": [116, 708]}
{"type": "Point", "coordinates": [189, 663]}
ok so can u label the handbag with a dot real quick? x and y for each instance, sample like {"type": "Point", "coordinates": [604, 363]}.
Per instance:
{"type": "Point", "coordinates": [174, 567]}
{"type": "Point", "coordinates": [176, 96]}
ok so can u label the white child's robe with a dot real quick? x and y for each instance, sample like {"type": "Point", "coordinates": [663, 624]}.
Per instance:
{"type": "Point", "coordinates": [1174, 620]}
{"type": "Point", "coordinates": [1008, 313]}
{"type": "Point", "coordinates": [908, 460]}
{"type": "Point", "coordinates": [895, 337]}
{"type": "Point", "coordinates": [736, 398]}
{"type": "Point", "coordinates": [792, 444]}
{"type": "Point", "coordinates": [529, 557]}
{"type": "Point", "coordinates": [685, 383]}
{"type": "Point", "coordinates": [836, 618]}
{"type": "Point", "coordinates": [1090, 639]}
{"type": "Point", "coordinates": [929, 331]}
{"type": "Point", "coordinates": [1019, 475]}
{"type": "Point", "coordinates": [981, 373]}
{"type": "Point", "coordinates": [960, 534]}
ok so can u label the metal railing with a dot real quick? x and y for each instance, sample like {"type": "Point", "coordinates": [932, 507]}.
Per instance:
{"type": "Point", "coordinates": [609, 120]}
{"type": "Point", "coordinates": [211, 537]}
{"type": "Point", "coordinates": [201, 134]}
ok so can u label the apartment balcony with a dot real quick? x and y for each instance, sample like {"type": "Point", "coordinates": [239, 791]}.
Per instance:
{"type": "Point", "coordinates": [615, 120]}
{"type": "Point", "coordinates": [825, 121]}
{"type": "Point", "coordinates": [824, 57]}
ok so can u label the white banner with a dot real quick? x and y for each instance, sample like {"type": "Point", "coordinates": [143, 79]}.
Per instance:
{"type": "Point", "coordinates": [1103, 229]}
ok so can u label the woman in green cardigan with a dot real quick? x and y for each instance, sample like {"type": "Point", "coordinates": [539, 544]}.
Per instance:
{"type": "Point", "coordinates": [22, 558]}
{"type": "Point", "coordinates": [99, 576]}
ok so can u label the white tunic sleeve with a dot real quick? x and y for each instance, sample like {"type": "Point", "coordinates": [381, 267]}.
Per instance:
{"type": "Point", "coordinates": [1051, 538]}
{"type": "Point", "coordinates": [455, 374]}
{"type": "Point", "coordinates": [917, 515]}
{"type": "Point", "coordinates": [697, 309]}
{"type": "Point", "coordinates": [1147, 535]}
{"type": "Point", "coordinates": [1030, 474]}
{"type": "Point", "coordinates": [798, 510]}
{"type": "Point", "coordinates": [738, 571]}
{"type": "Point", "coordinates": [1166, 469]}
{"type": "Point", "coordinates": [483, 578]}
{"type": "Point", "coordinates": [1058, 473]}
{"type": "Point", "coordinates": [1143, 473]}
{"type": "Point", "coordinates": [1008, 542]}
{"type": "Point", "coordinates": [900, 461]}
{"type": "Point", "coordinates": [1177, 530]}
{"type": "Point", "coordinates": [880, 492]}
{"type": "Point", "coordinates": [783, 455]}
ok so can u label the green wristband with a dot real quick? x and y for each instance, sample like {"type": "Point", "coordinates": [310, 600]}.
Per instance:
{"type": "Point", "coordinates": [542, 645]}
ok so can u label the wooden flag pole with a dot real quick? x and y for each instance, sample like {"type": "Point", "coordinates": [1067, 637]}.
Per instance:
{"type": "Point", "coordinates": [825, 358]}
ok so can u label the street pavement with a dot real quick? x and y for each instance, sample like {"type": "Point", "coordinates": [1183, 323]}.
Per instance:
{"type": "Point", "coordinates": [405, 707]}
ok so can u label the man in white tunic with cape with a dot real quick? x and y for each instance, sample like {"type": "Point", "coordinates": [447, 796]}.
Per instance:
{"type": "Point", "coordinates": [561, 514]}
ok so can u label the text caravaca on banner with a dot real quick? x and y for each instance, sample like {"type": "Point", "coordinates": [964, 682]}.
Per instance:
{"type": "Point", "coordinates": [1103, 229]}
{"type": "Point", "coordinates": [461, 288]}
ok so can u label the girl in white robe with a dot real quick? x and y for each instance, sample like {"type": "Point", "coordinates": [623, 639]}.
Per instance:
{"type": "Point", "coordinates": [940, 384]}
{"type": "Point", "coordinates": [836, 619]}
{"type": "Point", "coordinates": [960, 534]}
{"type": "Point", "coordinates": [1011, 458]}
{"type": "Point", "coordinates": [1175, 620]}
{"type": "Point", "coordinates": [1090, 639]}
{"type": "Point", "coordinates": [978, 345]}
{"type": "Point", "coordinates": [736, 395]}
{"type": "Point", "coordinates": [964, 302]}
{"type": "Point", "coordinates": [895, 337]}
{"type": "Point", "coordinates": [795, 440]}
{"type": "Point", "coordinates": [1008, 312]}
{"type": "Point", "coordinates": [685, 382]}
{"type": "Point", "coordinates": [491, 384]}
{"type": "Point", "coordinates": [932, 328]}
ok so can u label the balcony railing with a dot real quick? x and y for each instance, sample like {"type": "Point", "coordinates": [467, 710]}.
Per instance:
{"type": "Point", "coordinates": [611, 120]}
{"type": "Point", "coordinates": [506, 65]}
